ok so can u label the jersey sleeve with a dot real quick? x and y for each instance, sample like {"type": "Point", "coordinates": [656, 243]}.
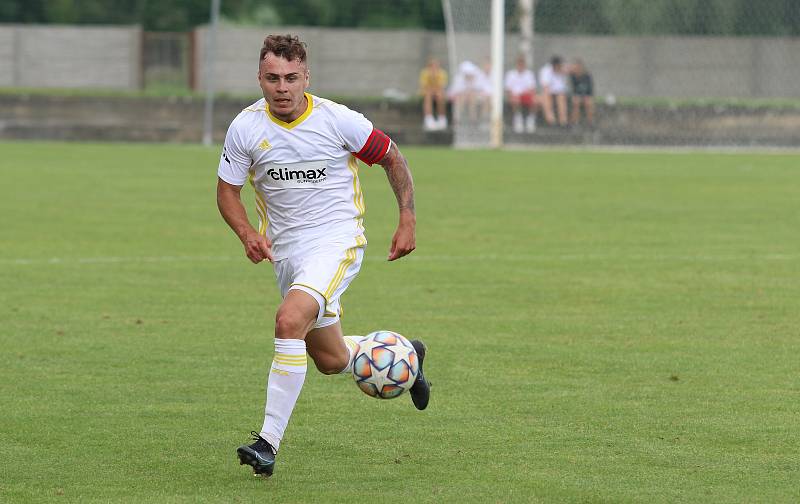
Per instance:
{"type": "Point", "coordinates": [366, 142]}
{"type": "Point", "coordinates": [234, 163]}
{"type": "Point", "coordinates": [376, 146]}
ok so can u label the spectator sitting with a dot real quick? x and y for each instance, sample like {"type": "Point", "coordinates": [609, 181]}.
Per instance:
{"type": "Point", "coordinates": [520, 84]}
{"type": "Point", "coordinates": [582, 93]}
{"type": "Point", "coordinates": [553, 80]}
{"type": "Point", "coordinates": [432, 84]}
{"type": "Point", "coordinates": [486, 84]}
{"type": "Point", "coordinates": [468, 93]}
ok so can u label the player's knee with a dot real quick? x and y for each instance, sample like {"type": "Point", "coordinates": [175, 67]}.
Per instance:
{"type": "Point", "coordinates": [290, 325]}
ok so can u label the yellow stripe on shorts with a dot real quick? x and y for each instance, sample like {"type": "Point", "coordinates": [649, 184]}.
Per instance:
{"type": "Point", "coordinates": [350, 257]}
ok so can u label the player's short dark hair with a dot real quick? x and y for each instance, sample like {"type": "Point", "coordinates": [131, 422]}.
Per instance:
{"type": "Point", "coordinates": [556, 60]}
{"type": "Point", "coordinates": [289, 47]}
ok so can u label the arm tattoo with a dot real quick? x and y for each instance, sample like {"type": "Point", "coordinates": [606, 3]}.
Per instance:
{"type": "Point", "coordinates": [399, 176]}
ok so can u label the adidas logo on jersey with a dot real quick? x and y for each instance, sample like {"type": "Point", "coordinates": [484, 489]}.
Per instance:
{"type": "Point", "coordinates": [265, 145]}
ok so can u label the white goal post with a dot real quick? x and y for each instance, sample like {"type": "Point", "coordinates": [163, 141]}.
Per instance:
{"type": "Point", "coordinates": [476, 40]}
{"type": "Point", "coordinates": [498, 45]}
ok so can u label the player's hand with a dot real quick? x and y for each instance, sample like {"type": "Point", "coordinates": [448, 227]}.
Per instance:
{"type": "Point", "coordinates": [257, 247]}
{"type": "Point", "coordinates": [404, 240]}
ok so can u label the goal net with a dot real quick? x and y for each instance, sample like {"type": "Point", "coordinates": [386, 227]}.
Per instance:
{"type": "Point", "coordinates": [484, 38]}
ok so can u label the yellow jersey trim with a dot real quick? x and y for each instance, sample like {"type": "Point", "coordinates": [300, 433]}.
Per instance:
{"type": "Point", "coordinates": [297, 121]}
{"type": "Point", "coordinates": [261, 208]}
{"type": "Point", "coordinates": [358, 195]}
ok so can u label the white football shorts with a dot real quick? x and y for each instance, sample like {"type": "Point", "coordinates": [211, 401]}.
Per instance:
{"type": "Point", "coordinates": [324, 272]}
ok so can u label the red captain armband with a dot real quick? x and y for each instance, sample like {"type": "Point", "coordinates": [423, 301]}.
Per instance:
{"type": "Point", "coordinates": [376, 146]}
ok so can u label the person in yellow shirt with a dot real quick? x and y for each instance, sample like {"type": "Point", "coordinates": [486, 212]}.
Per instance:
{"type": "Point", "coordinates": [432, 84]}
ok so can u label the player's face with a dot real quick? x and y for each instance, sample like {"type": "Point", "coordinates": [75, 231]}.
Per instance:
{"type": "Point", "coordinates": [283, 83]}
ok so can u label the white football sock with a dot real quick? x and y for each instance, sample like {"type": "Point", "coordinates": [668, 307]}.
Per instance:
{"type": "Point", "coordinates": [530, 124]}
{"type": "Point", "coordinates": [518, 125]}
{"type": "Point", "coordinates": [286, 377]}
{"type": "Point", "coordinates": [351, 342]}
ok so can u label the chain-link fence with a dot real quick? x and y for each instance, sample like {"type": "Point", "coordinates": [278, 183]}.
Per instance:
{"type": "Point", "coordinates": [166, 60]}
{"type": "Point", "coordinates": [674, 72]}
{"type": "Point", "coordinates": [664, 72]}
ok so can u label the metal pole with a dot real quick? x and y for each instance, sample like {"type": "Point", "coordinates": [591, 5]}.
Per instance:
{"type": "Point", "coordinates": [210, 57]}
{"type": "Point", "coordinates": [526, 31]}
{"type": "Point", "coordinates": [498, 42]}
{"type": "Point", "coordinates": [451, 37]}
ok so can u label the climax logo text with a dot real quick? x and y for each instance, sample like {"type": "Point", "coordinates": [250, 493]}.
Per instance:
{"type": "Point", "coordinates": [301, 176]}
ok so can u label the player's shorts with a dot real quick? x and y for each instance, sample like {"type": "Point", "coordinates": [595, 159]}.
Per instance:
{"type": "Point", "coordinates": [527, 99]}
{"type": "Point", "coordinates": [324, 272]}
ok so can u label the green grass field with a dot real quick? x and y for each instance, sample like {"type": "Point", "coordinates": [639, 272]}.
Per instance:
{"type": "Point", "coordinates": [602, 327]}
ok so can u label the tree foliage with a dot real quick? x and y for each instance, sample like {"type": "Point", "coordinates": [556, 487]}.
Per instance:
{"type": "Point", "coordinates": [157, 15]}
{"type": "Point", "coordinates": [669, 17]}
{"type": "Point", "coordinates": [180, 15]}
{"type": "Point", "coordinates": [612, 17]}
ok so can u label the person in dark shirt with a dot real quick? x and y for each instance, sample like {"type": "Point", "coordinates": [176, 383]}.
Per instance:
{"type": "Point", "coordinates": [582, 93]}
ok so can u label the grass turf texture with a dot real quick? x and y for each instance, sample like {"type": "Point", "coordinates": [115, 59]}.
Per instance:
{"type": "Point", "coordinates": [602, 327]}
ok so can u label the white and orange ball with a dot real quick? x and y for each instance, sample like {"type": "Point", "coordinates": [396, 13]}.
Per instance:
{"type": "Point", "coordinates": [385, 364]}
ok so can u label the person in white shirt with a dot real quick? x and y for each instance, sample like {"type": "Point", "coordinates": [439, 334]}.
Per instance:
{"type": "Point", "coordinates": [520, 85]}
{"type": "Point", "coordinates": [486, 84]}
{"type": "Point", "coordinates": [468, 93]}
{"type": "Point", "coordinates": [300, 152]}
{"type": "Point", "coordinates": [553, 79]}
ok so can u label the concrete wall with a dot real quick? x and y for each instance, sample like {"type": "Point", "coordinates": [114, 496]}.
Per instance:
{"type": "Point", "coordinates": [151, 119]}
{"type": "Point", "coordinates": [368, 62]}
{"type": "Point", "coordinates": [84, 118]}
{"type": "Point", "coordinates": [70, 57]}
{"type": "Point", "coordinates": [349, 62]}
{"type": "Point", "coordinates": [684, 67]}
{"type": "Point", "coordinates": [343, 62]}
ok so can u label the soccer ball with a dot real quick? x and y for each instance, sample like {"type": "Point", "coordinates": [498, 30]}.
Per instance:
{"type": "Point", "coordinates": [385, 365]}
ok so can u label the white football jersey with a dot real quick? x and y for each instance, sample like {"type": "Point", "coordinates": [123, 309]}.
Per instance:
{"type": "Point", "coordinates": [518, 83]}
{"type": "Point", "coordinates": [555, 81]}
{"type": "Point", "coordinates": [305, 173]}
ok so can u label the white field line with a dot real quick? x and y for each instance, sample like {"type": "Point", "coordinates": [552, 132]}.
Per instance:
{"type": "Point", "coordinates": [55, 261]}
{"type": "Point", "coordinates": [113, 260]}
{"type": "Point", "coordinates": [656, 149]}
